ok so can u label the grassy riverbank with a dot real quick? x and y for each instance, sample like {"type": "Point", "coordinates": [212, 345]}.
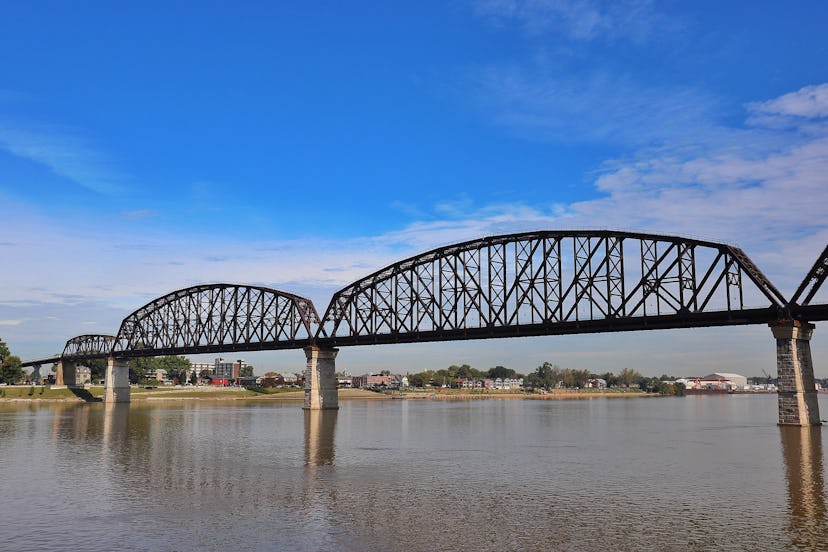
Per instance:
{"type": "Point", "coordinates": [95, 392]}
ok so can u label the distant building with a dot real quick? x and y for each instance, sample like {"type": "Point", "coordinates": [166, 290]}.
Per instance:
{"type": "Point", "coordinates": [199, 367]}
{"type": "Point", "coordinates": [498, 384]}
{"type": "Point", "coordinates": [596, 383]}
{"type": "Point", "coordinates": [368, 381]}
{"type": "Point", "coordinates": [468, 383]}
{"type": "Point", "coordinates": [228, 370]}
{"type": "Point", "coordinates": [736, 380]}
{"type": "Point", "coordinates": [716, 381]}
{"type": "Point", "coordinates": [508, 383]}
{"type": "Point", "coordinates": [83, 375]}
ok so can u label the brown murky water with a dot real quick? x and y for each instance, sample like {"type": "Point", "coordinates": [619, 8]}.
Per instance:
{"type": "Point", "coordinates": [698, 473]}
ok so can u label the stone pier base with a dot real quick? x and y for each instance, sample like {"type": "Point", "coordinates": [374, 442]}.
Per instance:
{"type": "Point", "coordinates": [116, 387]}
{"type": "Point", "coordinates": [797, 394]}
{"type": "Point", "coordinates": [66, 373]}
{"type": "Point", "coordinates": [320, 379]}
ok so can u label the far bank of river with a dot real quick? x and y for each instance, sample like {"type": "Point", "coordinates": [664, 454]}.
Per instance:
{"type": "Point", "coordinates": [25, 393]}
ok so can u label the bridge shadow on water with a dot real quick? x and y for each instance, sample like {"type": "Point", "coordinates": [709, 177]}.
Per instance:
{"type": "Point", "coordinates": [84, 395]}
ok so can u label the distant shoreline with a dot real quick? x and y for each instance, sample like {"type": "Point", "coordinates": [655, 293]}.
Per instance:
{"type": "Point", "coordinates": [555, 395]}
{"type": "Point", "coordinates": [91, 394]}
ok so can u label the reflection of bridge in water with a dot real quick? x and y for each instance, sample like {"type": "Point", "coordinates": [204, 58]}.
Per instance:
{"type": "Point", "coordinates": [530, 284]}
{"type": "Point", "coordinates": [802, 452]}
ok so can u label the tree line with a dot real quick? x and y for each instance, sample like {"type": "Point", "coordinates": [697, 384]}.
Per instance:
{"type": "Point", "coordinates": [446, 376]}
{"type": "Point", "coordinates": [548, 376]}
{"type": "Point", "coordinates": [10, 370]}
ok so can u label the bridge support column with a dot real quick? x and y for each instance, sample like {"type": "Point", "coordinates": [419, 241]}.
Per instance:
{"type": "Point", "coordinates": [67, 372]}
{"type": "Point", "coordinates": [36, 373]}
{"type": "Point", "coordinates": [320, 379]}
{"type": "Point", "coordinates": [797, 393]}
{"type": "Point", "coordinates": [116, 386]}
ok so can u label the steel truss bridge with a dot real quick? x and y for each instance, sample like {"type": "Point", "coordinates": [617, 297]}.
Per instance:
{"type": "Point", "coordinates": [527, 284]}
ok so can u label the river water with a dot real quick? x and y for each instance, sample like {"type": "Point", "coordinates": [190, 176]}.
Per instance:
{"type": "Point", "coordinates": [694, 473]}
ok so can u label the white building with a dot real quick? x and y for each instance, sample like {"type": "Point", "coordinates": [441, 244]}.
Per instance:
{"type": "Point", "coordinates": [716, 380]}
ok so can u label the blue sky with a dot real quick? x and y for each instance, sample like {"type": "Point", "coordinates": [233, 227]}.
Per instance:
{"type": "Point", "coordinates": [146, 148]}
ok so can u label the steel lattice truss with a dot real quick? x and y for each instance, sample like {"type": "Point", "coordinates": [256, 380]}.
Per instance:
{"type": "Point", "coordinates": [218, 318]}
{"type": "Point", "coordinates": [538, 283]}
{"type": "Point", "coordinates": [552, 283]}
{"type": "Point", "coordinates": [813, 280]}
{"type": "Point", "coordinates": [88, 346]}
{"type": "Point", "coordinates": [802, 306]}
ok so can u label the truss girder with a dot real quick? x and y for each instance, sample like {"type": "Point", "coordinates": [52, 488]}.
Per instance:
{"type": "Point", "coordinates": [218, 317]}
{"type": "Point", "coordinates": [812, 281]}
{"type": "Point", "coordinates": [544, 282]}
{"type": "Point", "coordinates": [88, 346]}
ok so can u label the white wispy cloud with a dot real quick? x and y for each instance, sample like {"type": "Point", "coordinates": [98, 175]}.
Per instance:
{"type": "Point", "coordinates": [64, 152]}
{"type": "Point", "coordinates": [591, 107]}
{"type": "Point", "coordinates": [809, 101]}
{"type": "Point", "coordinates": [581, 20]}
{"type": "Point", "coordinates": [804, 108]}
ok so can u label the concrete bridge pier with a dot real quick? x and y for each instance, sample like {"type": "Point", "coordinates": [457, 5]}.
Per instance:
{"type": "Point", "coordinates": [116, 386]}
{"type": "Point", "coordinates": [66, 373]}
{"type": "Point", "coordinates": [797, 394]}
{"type": "Point", "coordinates": [320, 378]}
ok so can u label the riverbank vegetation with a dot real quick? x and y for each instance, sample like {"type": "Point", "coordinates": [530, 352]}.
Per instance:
{"type": "Point", "coordinates": [10, 370]}
{"type": "Point", "coordinates": [547, 377]}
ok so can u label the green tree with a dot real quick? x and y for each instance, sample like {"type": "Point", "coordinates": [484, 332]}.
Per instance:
{"type": "Point", "coordinates": [546, 376]}
{"type": "Point", "coordinates": [656, 385]}
{"type": "Point", "coordinates": [417, 380]}
{"type": "Point", "coordinates": [246, 371]}
{"type": "Point", "coordinates": [443, 377]}
{"type": "Point", "coordinates": [628, 377]}
{"type": "Point", "coordinates": [142, 370]}
{"type": "Point", "coordinates": [465, 371]}
{"type": "Point", "coordinates": [97, 368]}
{"type": "Point", "coordinates": [10, 370]}
{"type": "Point", "coordinates": [580, 377]}
{"type": "Point", "coordinates": [500, 372]}
{"type": "Point", "coordinates": [172, 363]}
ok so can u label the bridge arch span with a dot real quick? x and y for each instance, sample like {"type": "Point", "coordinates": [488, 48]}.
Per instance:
{"type": "Point", "coordinates": [88, 346]}
{"type": "Point", "coordinates": [552, 282]}
{"type": "Point", "coordinates": [217, 318]}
